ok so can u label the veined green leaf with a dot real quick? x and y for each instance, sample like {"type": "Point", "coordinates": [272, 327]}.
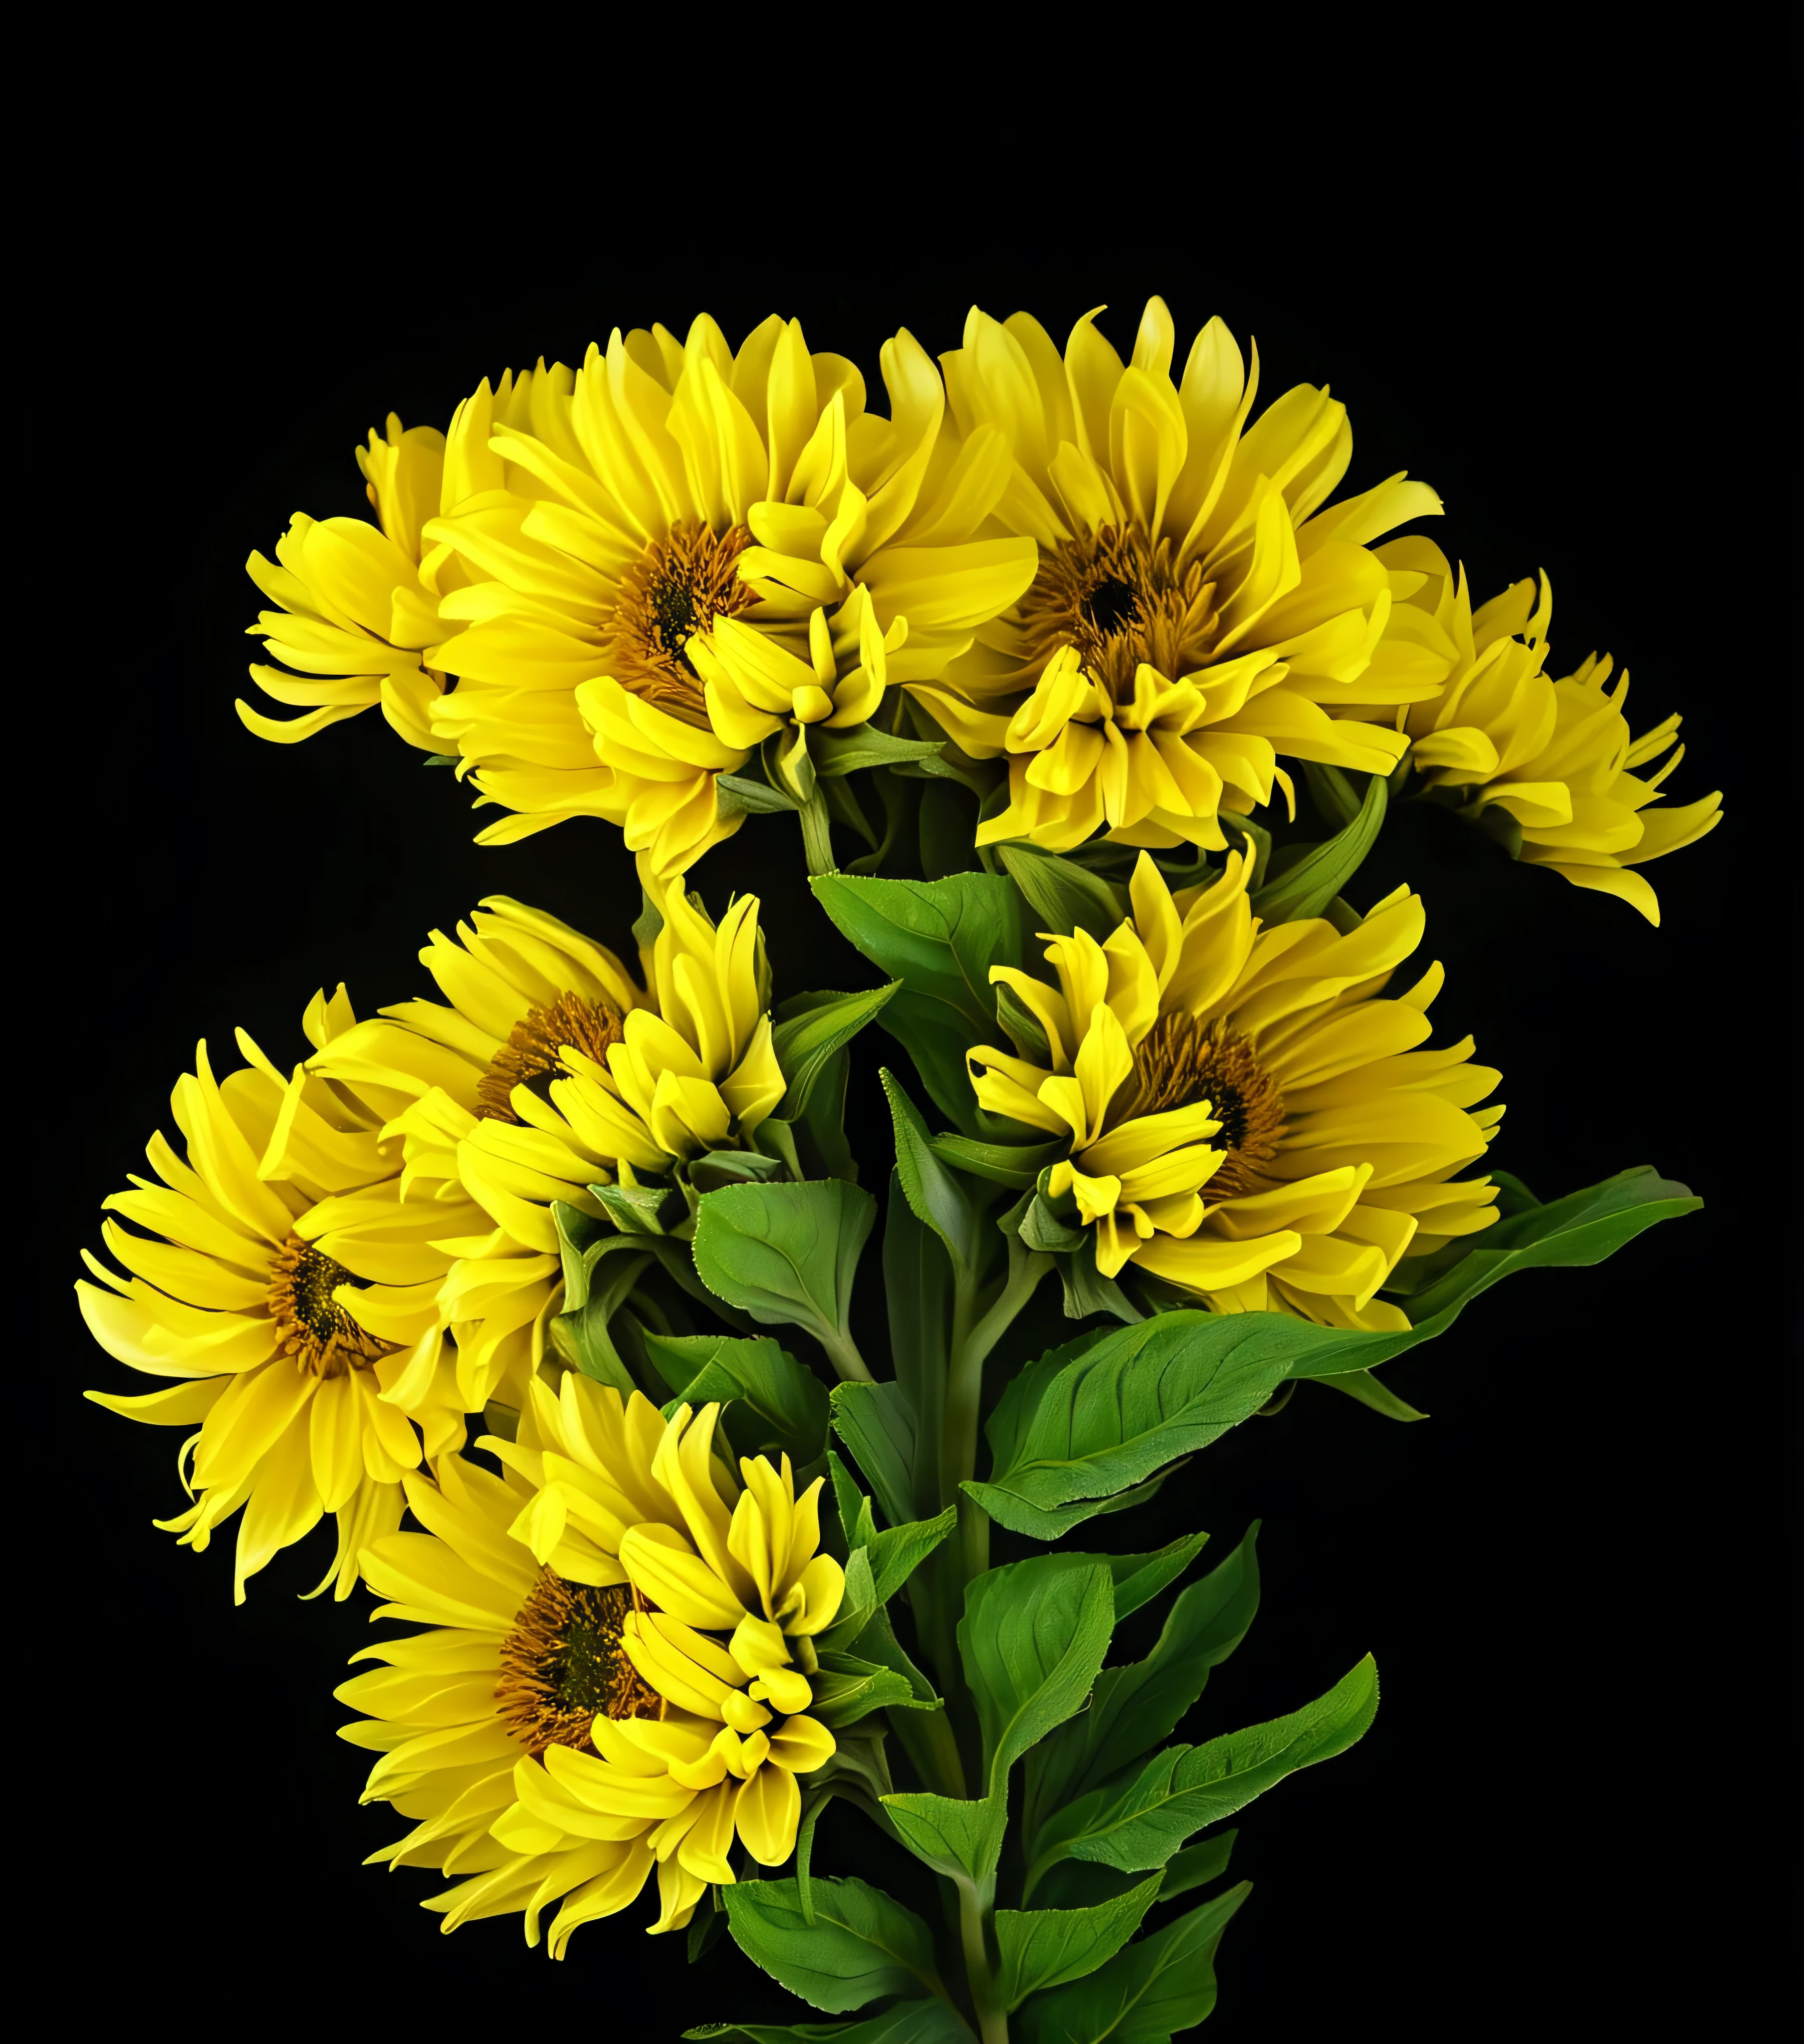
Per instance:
{"type": "Point", "coordinates": [1196, 1866]}
{"type": "Point", "coordinates": [1043, 1948]}
{"type": "Point", "coordinates": [1032, 1640]}
{"type": "Point", "coordinates": [1015, 1164]}
{"type": "Point", "coordinates": [876, 1422]}
{"type": "Point", "coordinates": [1145, 1994]}
{"type": "Point", "coordinates": [810, 1027]}
{"type": "Point", "coordinates": [837, 752]}
{"type": "Point", "coordinates": [962, 1839]}
{"type": "Point", "coordinates": [1139, 1578]}
{"type": "Point", "coordinates": [939, 939]}
{"type": "Point", "coordinates": [861, 1944]}
{"type": "Point", "coordinates": [934, 2021]}
{"type": "Point", "coordinates": [1072, 1435]}
{"type": "Point", "coordinates": [1138, 1822]}
{"type": "Point", "coordinates": [738, 795]}
{"type": "Point", "coordinates": [785, 1253]}
{"type": "Point", "coordinates": [933, 1192]}
{"type": "Point", "coordinates": [1310, 883]}
{"type": "Point", "coordinates": [787, 1403]}
{"type": "Point", "coordinates": [1064, 896]}
{"type": "Point", "coordinates": [877, 1641]}
{"type": "Point", "coordinates": [1135, 1706]}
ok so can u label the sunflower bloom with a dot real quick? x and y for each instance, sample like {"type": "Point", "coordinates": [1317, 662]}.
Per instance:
{"type": "Point", "coordinates": [616, 1684]}
{"type": "Point", "coordinates": [1196, 614]}
{"type": "Point", "coordinates": [1248, 1119]}
{"type": "Point", "coordinates": [550, 1070]}
{"type": "Point", "coordinates": [290, 1282]}
{"type": "Point", "coordinates": [356, 604]}
{"type": "Point", "coordinates": [1555, 757]}
{"type": "Point", "coordinates": [714, 550]}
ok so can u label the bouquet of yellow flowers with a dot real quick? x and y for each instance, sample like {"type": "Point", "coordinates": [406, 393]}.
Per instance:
{"type": "Point", "coordinates": [1089, 696]}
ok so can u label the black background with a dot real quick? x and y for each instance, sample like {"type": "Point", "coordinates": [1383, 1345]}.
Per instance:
{"type": "Point", "coordinates": [1574, 1798]}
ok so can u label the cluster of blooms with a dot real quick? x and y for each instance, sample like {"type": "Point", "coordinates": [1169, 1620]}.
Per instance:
{"type": "Point", "coordinates": [1115, 602]}
{"type": "Point", "coordinates": [1112, 583]}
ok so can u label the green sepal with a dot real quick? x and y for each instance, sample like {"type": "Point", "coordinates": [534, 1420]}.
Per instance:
{"type": "Point", "coordinates": [1044, 1948]}
{"type": "Point", "coordinates": [705, 1926]}
{"type": "Point", "coordinates": [785, 1406]}
{"type": "Point", "coordinates": [1146, 1993]}
{"type": "Point", "coordinates": [600, 1270]}
{"type": "Point", "coordinates": [1040, 1228]}
{"type": "Point", "coordinates": [1311, 880]}
{"type": "Point", "coordinates": [1021, 1025]}
{"type": "Point", "coordinates": [715, 1168]}
{"type": "Point", "coordinates": [838, 752]}
{"type": "Point", "coordinates": [1064, 897]}
{"type": "Point", "coordinates": [1018, 1165]}
{"type": "Point", "coordinates": [855, 1944]}
{"type": "Point", "coordinates": [847, 1687]}
{"type": "Point", "coordinates": [640, 1209]}
{"type": "Point", "coordinates": [1087, 1291]}
{"type": "Point", "coordinates": [739, 796]}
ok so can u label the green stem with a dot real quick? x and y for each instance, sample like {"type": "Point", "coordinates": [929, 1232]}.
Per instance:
{"type": "Point", "coordinates": [817, 834]}
{"type": "Point", "coordinates": [973, 1917]}
{"type": "Point", "coordinates": [842, 1353]}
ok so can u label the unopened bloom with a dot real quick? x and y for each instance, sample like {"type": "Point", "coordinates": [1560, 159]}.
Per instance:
{"type": "Point", "coordinates": [1247, 1118]}
{"type": "Point", "coordinates": [1556, 756]}
{"type": "Point", "coordinates": [1197, 614]}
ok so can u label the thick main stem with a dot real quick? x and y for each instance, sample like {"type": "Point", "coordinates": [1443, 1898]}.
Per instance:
{"type": "Point", "coordinates": [974, 1909]}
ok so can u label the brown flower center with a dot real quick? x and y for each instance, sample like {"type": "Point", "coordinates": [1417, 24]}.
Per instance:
{"type": "Point", "coordinates": [677, 587]}
{"type": "Point", "coordinates": [1181, 1061]}
{"type": "Point", "coordinates": [1119, 600]}
{"type": "Point", "coordinates": [309, 1323]}
{"type": "Point", "coordinates": [532, 1054]}
{"type": "Point", "coordinates": [564, 1664]}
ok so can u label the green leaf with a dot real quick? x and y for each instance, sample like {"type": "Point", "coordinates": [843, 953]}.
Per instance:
{"type": "Point", "coordinates": [1576, 1231]}
{"type": "Point", "coordinates": [715, 1168]}
{"type": "Point", "coordinates": [1063, 896]}
{"type": "Point", "coordinates": [600, 1272]}
{"type": "Point", "coordinates": [934, 2021]}
{"type": "Point", "coordinates": [961, 1838]}
{"type": "Point", "coordinates": [837, 752]}
{"type": "Point", "coordinates": [917, 1282]}
{"type": "Point", "coordinates": [1022, 1025]}
{"type": "Point", "coordinates": [861, 1943]}
{"type": "Point", "coordinates": [1197, 1865]}
{"type": "Point", "coordinates": [1334, 795]}
{"type": "Point", "coordinates": [787, 1403]}
{"type": "Point", "coordinates": [1310, 883]}
{"type": "Point", "coordinates": [810, 1027]}
{"type": "Point", "coordinates": [1087, 1291]}
{"type": "Point", "coordinates": [1139, 1578]}
{"type": "Point", "coordinates": [739, 796]}
{"type": "Point", "coordinates": [1145, 1994]}
{"type": "Point", "coordinates": [876, 1640]}
{"type": "Point", "coordinates": [635, 1209]}
{"type": "Point", "coordinates": [933, 1192]}
{"type": "Point", "coordinates": [1071, 1437]}
{"type": "Point", "coordinates": [1135, 1706]}
{"type": "Point", "coordinates": [876, 1422]}
{"type": "Point", "coordinates": [1042, 1948]}
{"type": "Point", "coordinates": [1032, 1641]}
{"type": "Point", "coordinates": [939, 939]}
{"type": "Point", "coordinates": [846, 1688]}
{"type": "Point", "coordinates": [786, 1253]}
{"type": "Point", "coordinates": [1255, 842]}
{"type": "Point", "coordinates": [897, 1551]}
{"type": "Point", "coordinates": [1138, 1822]}
{"type": "Point", "coordinates": [1015, 1164]}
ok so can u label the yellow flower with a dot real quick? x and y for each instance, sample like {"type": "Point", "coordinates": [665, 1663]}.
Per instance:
{"type": "Point", "coordinates": [648, 607]}
{"type": "Point", "coordinates": [1247, 1119]}
{"type": "Point", "coordinates": [552, 1071]}
{"type": "Point", "coordinates": [357, 604]}
{"type": "Point", "coordinates": [618, 1682]}
{"type": "Point", "coordinates": [1196, 613]}
{"type": "Point", "coordinates": [289, 1280]}
{"type": "Point", "coordinates": [1556, 757]}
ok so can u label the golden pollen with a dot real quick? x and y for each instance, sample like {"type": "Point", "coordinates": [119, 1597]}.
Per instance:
{"type": "Point", "coordinates": [309, 1323]}
{"type": "Point", "coordinates": [1119, 600]}
{"type": "Point", "coordinates": [563, 1665]}
{"type": "Point", "coordinates": [532, 1055]}
{"type": "Point", "coordinates": [1181, 1061]}
{"type": "Point", "coordinates": [676, 588]}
